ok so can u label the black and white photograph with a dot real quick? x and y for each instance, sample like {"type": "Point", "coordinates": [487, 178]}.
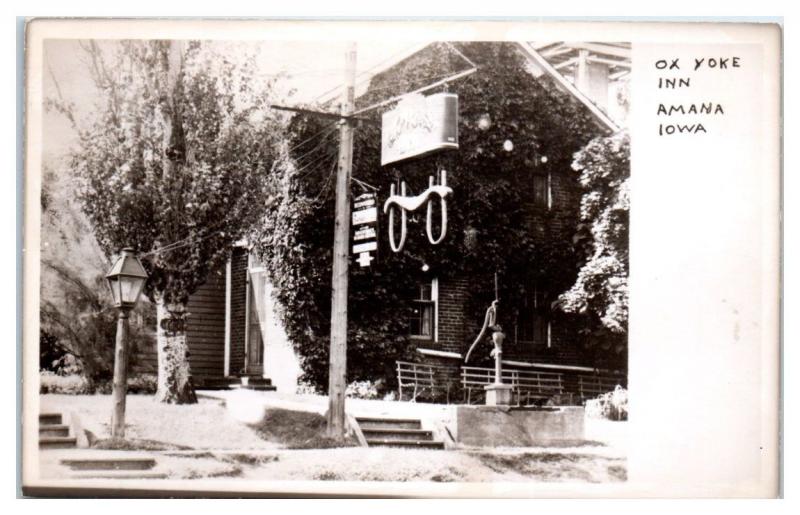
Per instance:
{"type": "Point", "coordinates": [300, 264]}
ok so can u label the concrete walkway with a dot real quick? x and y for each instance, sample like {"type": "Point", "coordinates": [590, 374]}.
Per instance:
{"type": "Point", "coordinates": [604, 438]}
{"type": "Point", "coordinates": [248, 406]}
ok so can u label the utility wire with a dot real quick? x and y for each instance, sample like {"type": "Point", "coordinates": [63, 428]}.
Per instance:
{"type": "Point", "coordinates": [358, 83]}
{"type": "Point", "coordinates": [298, 160]}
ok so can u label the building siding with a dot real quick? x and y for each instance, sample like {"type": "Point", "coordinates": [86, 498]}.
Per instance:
{"type": "Point", "coordinates": [239, 258]}
{"type": "Point", "coordinates": [205, 330]}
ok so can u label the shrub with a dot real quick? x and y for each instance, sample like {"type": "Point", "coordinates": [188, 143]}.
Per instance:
{"type": "Point", "coordinates": [50, 352]}
{"type": "Point", "coordinates": [76, 384]}
{"type": "Point", "coordinates": [305, 388]}
{"type": "Point", "coordinates": [80, 322]}
{"type": "Point", "coordinates": [145, 384]}
{"type": "Point", "coordinates": [362, 390]}
{"type": "Point", "coordinates": [611, 405]}
{"type": "Point", "coordinates": [73, 384]}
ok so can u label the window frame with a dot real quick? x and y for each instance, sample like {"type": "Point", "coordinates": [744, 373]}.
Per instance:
{"type": "Point", "coordinates": [433, 304]}
{"type": "Point", "coordinates": [537, 308]}
{"type": "Point", "coordinates": [547, 201]}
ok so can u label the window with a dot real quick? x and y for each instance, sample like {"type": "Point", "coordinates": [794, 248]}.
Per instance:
{"type": "Point", "coordinates": [422, 321]}
{"type": "Point", "coordinates": [542, 196]}
{"type": "Point", "coordinates": [533, 321]}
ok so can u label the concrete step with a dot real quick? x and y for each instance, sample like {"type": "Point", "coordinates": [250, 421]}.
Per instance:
{"type": "Point", "coordinates": [406, 444]}
{"type": "Point", "coordinates": [110, 464]}
{"type": "Point", "coordinates": [217, 383]}
{"type": "Point", "coordinates": [53, 430]}
{"type": "Point", "coordinates": [57, 442]}
{"type": "Point", "coordinates": [50, 419]}
{"type": "Point", "coordinates": [256, 380]}
{"type": "Point", "coordinates": [368, 423]}
{"type": "Point", "coordinates": [420, 435]}
{"type": "Point", "coordinates": [256, 387]}
{"type": "Point", "coordinates": [118, 474]}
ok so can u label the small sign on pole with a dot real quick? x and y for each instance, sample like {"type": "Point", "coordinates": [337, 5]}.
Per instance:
{"type": "Point", "coordinates": [365, 228]}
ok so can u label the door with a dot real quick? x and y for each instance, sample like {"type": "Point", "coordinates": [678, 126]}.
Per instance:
{"type": "Point", "coordinates": [256, 318]}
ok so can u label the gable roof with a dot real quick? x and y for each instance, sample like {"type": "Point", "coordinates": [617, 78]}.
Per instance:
{"type": "Point", "coordinates": [527, 49]}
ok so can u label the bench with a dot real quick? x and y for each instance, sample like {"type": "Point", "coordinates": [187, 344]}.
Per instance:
{"type": "Point", "coordinates": [525, 385]}
{"type": "Point", "coordinates": [591, 386]}
{"type": "Point", "coordinates": [420, 377]}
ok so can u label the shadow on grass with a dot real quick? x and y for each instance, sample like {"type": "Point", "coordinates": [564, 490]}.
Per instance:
{"type": "Point", "coordinates": [555, 466]}
{"type": "Point", "coordinates": [121, 444]}
{"type": "Point", "coordinates": [298, 430]}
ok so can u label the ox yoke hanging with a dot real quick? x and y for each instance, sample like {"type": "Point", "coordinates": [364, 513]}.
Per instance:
{"type": "Point", "coordinates": [406, 204]}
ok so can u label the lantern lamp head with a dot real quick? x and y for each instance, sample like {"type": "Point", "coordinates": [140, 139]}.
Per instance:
{"type": "Point", "coordinates": [126, 279]}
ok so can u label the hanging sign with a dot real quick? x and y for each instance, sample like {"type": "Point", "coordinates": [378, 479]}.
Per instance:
{"type": "Point", "coordinates": [410, 204]}
{"type": "Point", "coordinates": [418, 126]}
{"type": "Point", "coordinates": [365, 228]}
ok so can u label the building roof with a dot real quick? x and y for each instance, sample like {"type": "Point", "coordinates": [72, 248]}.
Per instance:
{"type": "Point", "coordinates": [552, 59]}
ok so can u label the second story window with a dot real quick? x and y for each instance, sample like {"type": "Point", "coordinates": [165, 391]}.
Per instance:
{"type": "Point", "coordinates": [542, 196]}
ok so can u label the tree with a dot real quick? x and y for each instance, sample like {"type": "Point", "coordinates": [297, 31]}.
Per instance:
{"type": "Point", "coordinates": [601, 288]}
{"type": "Point", "coordinates": [488, 227]}
{"type": "Point", "coordinates": [76, 315]}
{"type": "Point", "coordinates": [173, 162]}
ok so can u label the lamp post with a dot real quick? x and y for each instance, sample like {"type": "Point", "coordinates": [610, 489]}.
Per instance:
{"type": "Point", "coordinates": [126, 281]}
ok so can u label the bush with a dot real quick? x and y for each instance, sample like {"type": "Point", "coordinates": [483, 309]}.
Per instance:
{"type": "Point", "coordinates": [145, 384]}
{"type": "Point", "coordinates": [362, 390]}
{"type": "Point", "coordinates": [76, 384]}
{"type": "Point", "coordinates": [81, 323]}
{"type": "Point", "coordinates": [611, 405]}
{"type": "Point", "coordinates": [305, 388]}
{"type": "Point", "coordinates": [73, 384]}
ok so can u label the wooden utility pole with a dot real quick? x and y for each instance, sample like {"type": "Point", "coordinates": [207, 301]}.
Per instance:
{"type": "Point", "coordinates": [337, 382]}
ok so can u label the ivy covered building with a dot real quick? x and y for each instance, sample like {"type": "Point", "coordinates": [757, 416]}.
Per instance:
{"type": "Point", "coordinates": [514, 215]}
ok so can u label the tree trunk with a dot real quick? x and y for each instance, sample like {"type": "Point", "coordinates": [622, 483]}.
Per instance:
{"type": "Point", "coordinates": [174, 374]}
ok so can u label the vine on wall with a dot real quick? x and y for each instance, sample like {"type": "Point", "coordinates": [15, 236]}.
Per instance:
{"type": "Point", "coordinates": [489, 214]}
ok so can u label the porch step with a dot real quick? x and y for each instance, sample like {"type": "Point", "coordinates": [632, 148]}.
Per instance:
{"type": "Point", "coordinates": [257, 387]}
{"type": "Point", "coordinates": [118, 474]}
{"type": "Point", "coordinates": [221, 383]}
{"type": "Point", "coordinates": [406, 444]}
{"type": "Point", "coordinates": [256, 381]}
{"type": "Point", "coordinates": [406, 435]}
{"type": "Point", "coordinates": [260, 388]}
{"type": "Point", "coordinates": [48, 419]}
{"type": "Point", "coordinates": [53, 433]}
{"type": "Point", "coordinates": [53, 430]}
{"type": "Point", "coordinates": [57, 442]}
{"type": "Point", "coordinates": [232, 383]}
{"type": "Point", "coordinates": [110, 464]}
{"type": "Point", "coordinates": [368, 423]}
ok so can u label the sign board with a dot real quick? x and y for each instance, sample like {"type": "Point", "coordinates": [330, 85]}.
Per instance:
{"type": "Point", "coordinates": [365, 216]}
{"type": "Point", "coordinates": [419, 126]}
{"type": "Point", "coordinates": [365, 228]}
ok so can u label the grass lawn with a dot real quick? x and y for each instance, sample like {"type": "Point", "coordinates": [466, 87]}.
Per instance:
{"type": "Point", "coordinates": [404, 465]}
{"type": "Point", "coordinates": [205, 425]}
{"type": "Point", "coordinates": [204, 441]}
